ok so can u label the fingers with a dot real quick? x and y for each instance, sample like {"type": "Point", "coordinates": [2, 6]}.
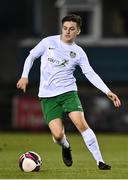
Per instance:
{"type": "Point", "coordinates": [115, 99]}
{"type": "Point", "coordinates": [22, 85]}
{"type": "Point", "coordinates": [117, 102]}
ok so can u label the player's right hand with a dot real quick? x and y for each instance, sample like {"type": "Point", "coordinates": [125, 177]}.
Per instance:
{"type": "Point", "coordinates": [22, 84]}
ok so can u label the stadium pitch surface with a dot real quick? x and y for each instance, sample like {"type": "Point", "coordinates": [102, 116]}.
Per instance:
{"type": "Point", "coordinates": [114, 148]}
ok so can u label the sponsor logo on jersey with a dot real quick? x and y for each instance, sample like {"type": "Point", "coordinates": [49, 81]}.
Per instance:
{"type": "Point", "coordinates": [54, 61]}
{"type": "Point", "coordinates": [64, 63]}
{"type": "Point", "coordinates": [72, 54]}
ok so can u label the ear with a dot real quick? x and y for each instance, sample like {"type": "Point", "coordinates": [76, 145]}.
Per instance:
{"type": "Point", "coordinates": [78, 32]}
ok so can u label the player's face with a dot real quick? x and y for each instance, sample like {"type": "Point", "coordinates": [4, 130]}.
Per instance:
{"type": "Point", "coordinates": [69, 31]}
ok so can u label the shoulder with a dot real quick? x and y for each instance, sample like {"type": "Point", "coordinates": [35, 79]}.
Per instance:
{"type": "Point", "coordinates": [47, 41]}
{"type": "Point", "coordinates": [80, 50]}
{"type": "Point", "coordinates": [51, 38]}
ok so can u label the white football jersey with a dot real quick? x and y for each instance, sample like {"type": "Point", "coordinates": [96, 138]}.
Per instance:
{"type": "Point", "coordinates": [58, 61]}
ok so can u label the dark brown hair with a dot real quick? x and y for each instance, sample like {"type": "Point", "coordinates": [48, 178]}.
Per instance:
{"type": "Point", "coordinates": [74, 18]}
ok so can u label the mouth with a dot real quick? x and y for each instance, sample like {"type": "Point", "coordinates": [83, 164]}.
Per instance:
{"type": "Point", "coordinates": [67, 36]}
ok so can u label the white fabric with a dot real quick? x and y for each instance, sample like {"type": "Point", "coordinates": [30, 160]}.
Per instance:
{"type": "Point", "coordinates": [63, 142]}
{"type": "Point", "coordinates": [92, 144]}
{"type": "Point", "coordinates": [58, 61]}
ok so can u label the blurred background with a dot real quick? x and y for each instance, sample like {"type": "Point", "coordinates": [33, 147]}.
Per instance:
{"type": "Point", "coordinates": [104, 38]}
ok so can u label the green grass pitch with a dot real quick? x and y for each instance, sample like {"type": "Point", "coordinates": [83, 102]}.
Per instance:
{"type": "Point", "coordinates": [114, 150]}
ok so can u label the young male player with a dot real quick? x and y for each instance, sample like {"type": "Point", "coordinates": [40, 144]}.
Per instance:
{"type": "Point", "coordinates": [58, 91]}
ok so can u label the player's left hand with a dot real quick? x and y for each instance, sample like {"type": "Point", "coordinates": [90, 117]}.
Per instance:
{"type": "Point", "coordinates": [114, 98]}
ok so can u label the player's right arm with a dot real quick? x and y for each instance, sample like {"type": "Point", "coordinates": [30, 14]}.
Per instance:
{"type": "Point", "coordinates": [36, 52]}
{"type": "Point", "coordinates": [23, 81]}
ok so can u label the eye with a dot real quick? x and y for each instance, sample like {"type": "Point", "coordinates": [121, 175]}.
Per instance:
{"type": "Point", "coordinates": [65, 28]}
{"type": "Point", "coordinates": [72, 29]}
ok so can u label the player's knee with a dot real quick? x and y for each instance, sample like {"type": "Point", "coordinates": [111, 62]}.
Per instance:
{"type": "Point", "coordinates": [58, 136]}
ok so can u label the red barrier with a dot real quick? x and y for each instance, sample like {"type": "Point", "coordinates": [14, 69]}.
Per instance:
{"type": "Point", "coordinates": [27, 114]}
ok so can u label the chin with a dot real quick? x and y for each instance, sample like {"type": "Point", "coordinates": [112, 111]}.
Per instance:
{"type": "Point", "coordinates": [68, 40]}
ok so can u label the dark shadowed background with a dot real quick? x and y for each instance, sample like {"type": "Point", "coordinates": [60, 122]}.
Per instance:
{"type": "Point", "coordinates": [104, 37]}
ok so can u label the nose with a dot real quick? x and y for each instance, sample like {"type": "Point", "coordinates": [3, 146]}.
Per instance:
{"type": "Point", "coordinates": [68, 31]}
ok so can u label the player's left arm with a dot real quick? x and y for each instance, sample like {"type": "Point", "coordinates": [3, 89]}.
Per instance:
{"type": "Point", "coordinates": [114, 98]}
{"type": "Point", "coordinates": [94, 78]}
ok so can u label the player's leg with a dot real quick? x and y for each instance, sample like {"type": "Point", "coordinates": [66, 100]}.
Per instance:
{"type": "Point", "coordinates": [59, 137]}
{"type": "Point", "coordinates": [57, 130]}
{"type": "Point", "coordinates": [89, 137]}
{"type": "Point", "coordinates": [73, 106]}
{"type": "Point", "coordinates": [87, 134]}
{"type": "Point", "coordinates": [52, 115]}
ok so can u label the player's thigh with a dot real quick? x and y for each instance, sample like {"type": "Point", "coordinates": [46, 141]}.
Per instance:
{"type": "Point", "coordinates": [56, 127]}
{"type": "Point", "coordinates": [79, 120]}
{"type": "Point", "coordinates": [71, 102]}
{"type": "Point", "coordinates": [51, 109]}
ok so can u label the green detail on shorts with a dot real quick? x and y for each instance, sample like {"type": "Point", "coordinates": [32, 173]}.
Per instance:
{"type": "Point", "coordinates": [55, 107]}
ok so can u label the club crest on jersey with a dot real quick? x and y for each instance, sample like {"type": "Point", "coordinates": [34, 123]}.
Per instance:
{"type": "Point", "coordinates": [72, 54]}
